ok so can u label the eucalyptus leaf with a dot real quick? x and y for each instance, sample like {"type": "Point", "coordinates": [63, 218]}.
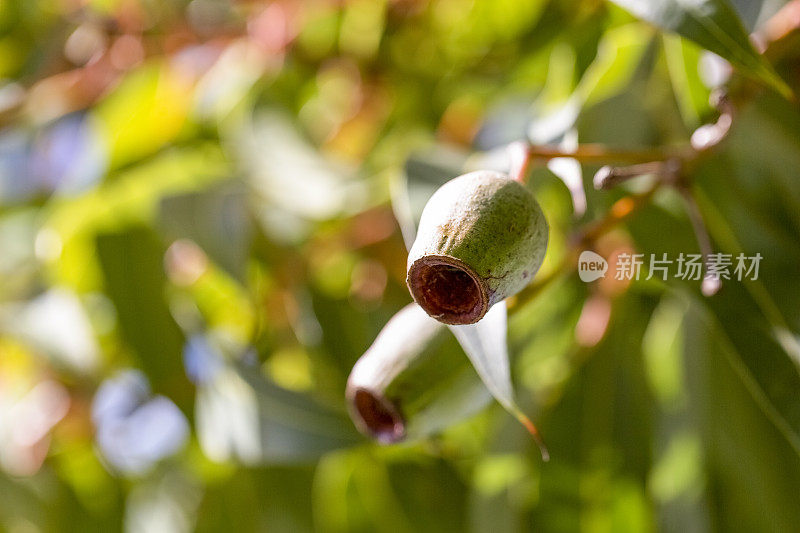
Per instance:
{"type": "Point", "coordinates": [753, 464]}
{"type": "Point", "coordinates": [683, 61]}
{"type": "Point", "coordinates": [714, 25]}
{"type": "Point", "coordinates": [216, 219]}
{"type": "Point", "coordinates": [132, 266]}
{"type": "Point", "coordinates": [243, 416]}
{"type": "Point", "coordinates": [423, 174]}
{"type": "Point", "coordinates": [486, 346]}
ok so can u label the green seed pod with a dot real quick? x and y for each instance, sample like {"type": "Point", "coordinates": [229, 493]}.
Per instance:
{"type": "Point", "coordinates": [481, 239]}
{"type": "Point", "coordinates": [413, 380]}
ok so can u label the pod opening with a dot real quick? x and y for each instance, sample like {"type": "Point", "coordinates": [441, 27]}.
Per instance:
{"type": "Point", "coordinates": [447, 290]}
{"type": "Point", "coordinates": [379, 417]}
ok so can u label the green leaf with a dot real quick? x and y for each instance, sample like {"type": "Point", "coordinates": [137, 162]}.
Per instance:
{"type": "Point", "coordinates": [619, 55]}
{"type": "Point", "coordinates": [145, 112]}
{"type": "Point", "coordinates": [216, 219]}
{"type": "Point", "coordinates": [604, 413]}
{"type": "Point", "coordinates": [423, 174]}
{"type": "Point", "coordinates": [714, 25]}
{"type": "Point", "coordinates": [754, 469]}
{"type": "Point", "coordinates": [241, 415]}
{"type": "Point", "coordinates": [756, 346]}
{"type": "Point", "coordinates": [130, 198]}
{"type": "Point", "coordinates": [692, 95]}
{"type": "Point", "coordinates": [131, 262]}
{"type": "Point", "coordinates": [487, 348]}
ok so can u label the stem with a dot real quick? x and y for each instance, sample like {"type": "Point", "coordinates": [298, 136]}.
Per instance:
{"type": "Point", "coordinates": [609, 176]}
{"type": "Point", "coordinates": [519, 154]}
{"type": "Point", "coordinates": [598, 153]}
{"type": "Point", "coordinates": [537, 438]}
{"type": "Point", "coordinates": [644, 160]}
{"type": "Point", "coordinates": [710, 285]}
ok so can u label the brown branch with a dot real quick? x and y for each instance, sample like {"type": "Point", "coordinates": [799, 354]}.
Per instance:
{"type": "Point", "coordinates": [598, 153]}
{"type": "Point", "coordinates": [609, 176]}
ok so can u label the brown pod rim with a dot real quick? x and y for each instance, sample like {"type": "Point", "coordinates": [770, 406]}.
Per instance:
{"type": "Point", "coordinates": [448, 289]}
{"type": "Point", "coordinates": [377, 416]}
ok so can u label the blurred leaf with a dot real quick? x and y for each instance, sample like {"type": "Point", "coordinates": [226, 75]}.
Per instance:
{"type": "Point", "coordinates": [18, 264]}
{"type": "Point", "coordinates": [487, 348]}
{"type": "Point", "coordinates": [346, 334]}
{"type": "Point", "coordinates": [278, 498]}
{"type": "Point", "coordinates": [757, 318]}
{"type": "Point", "coordinates": [754, 468]}
{"type": "Point", "coordinates": [755, 207]}
{"type": "Point", "coordinates": [216, 219]}
{"type": "Point", "coordinates": [542, 339]}
{"type": "Point", "coordinates": [146, 111]}
{"type": "Point", "coordinates": [56, 323]}
{"type": "Point", "coordinates": [167, 503]}
{"type": "Point", "coordinates": [772, 374]}
{"type": "Point", "coordinates": [714, 25]}
{"type": "Point", "coordinates": [134, 281]}
{"type": "Point", "coordinates": [241, 415]}
{"type": "Point", "coordinates": [432, 494]}
{"type": "Point", "coordinates": [755, 12]}
{"type": "Point", "coordinates": [284, 169]}
{"type": "Point", "coordinates": [424, 173]}
{"type": "Point", "coordinates": [683, 61]}
{"type": "Point", "coordinates": [352, 492]}
{"type": "Point", "coordinates": [600, 432]}
{"type": "Point", "coordinates": [131, 198]}
{"type": "Point", "coordinates": [619, 55]}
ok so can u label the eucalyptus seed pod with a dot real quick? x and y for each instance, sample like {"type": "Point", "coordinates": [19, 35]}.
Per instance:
{"type": "Point", "coordinates": [413, 380]}
{"type": "Point", "coordinates": [481, 239]}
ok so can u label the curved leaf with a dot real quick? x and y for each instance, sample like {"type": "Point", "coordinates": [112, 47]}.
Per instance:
{"type": "Point", "coordinates": [486, 346]}
{"type": "Point", "coordinates": [714, 25]}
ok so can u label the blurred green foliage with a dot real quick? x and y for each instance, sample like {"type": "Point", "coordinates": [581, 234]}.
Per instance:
{"type": "Point", "coordinates": [203, 208]}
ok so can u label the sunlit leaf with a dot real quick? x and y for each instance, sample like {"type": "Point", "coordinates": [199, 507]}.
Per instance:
{"type": "Point", "coordinates": [147, 111]}
{"type": "Point", "coordinates": [68, 339]}
{"type": "Point", "coordinates": [243, 416]}
{"type": "Point", "coordinates": [423, 174]}
{"type": "Point", "coordinates": [714, 25]}
{"type": "Point", "coordinates": [274, 154]}
{"type": "Point", "coordinates": [683, 60]}
{"type": "Point", "coordinates": [486, 346]}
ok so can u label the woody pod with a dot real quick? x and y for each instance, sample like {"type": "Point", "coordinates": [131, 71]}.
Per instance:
{"type": "Point", "coordinates": [481, 239]}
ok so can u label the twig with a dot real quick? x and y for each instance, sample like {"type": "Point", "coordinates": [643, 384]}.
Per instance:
{"type": "Point", "coordinates": [598, 153]}
{"type": "Point", "coordinates": [609, 176]}
{"type": "Point", "coordinates": [519, 154]}
{"type": "Point", "coordinates": [711, 284]}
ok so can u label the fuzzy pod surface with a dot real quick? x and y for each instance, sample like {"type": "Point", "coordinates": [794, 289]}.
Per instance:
{"type": "Point", "coordinates": [481, 239]}
{"type": "Point", "coordinates": [412, 381]}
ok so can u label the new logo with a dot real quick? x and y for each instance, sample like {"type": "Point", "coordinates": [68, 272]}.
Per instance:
{"type": "Point", "coordinates": [591, 266]}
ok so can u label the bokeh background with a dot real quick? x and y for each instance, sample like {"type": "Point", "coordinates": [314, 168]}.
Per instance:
{"type": "Point", "coordinates": [202, 210]}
